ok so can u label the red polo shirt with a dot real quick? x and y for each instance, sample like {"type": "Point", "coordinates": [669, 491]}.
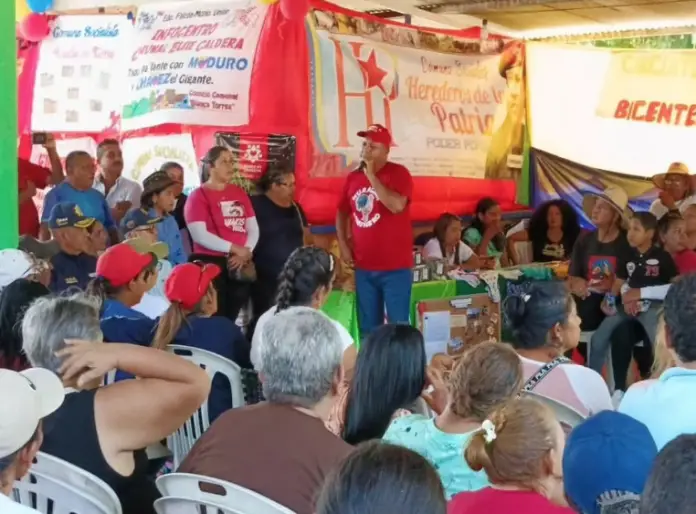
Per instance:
{"type": "Point", "coordinates": [382, 240]}
{"type": "Point", "coordinates": [28, 215]}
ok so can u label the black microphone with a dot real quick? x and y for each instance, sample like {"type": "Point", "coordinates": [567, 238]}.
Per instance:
{"type": "Point", "coordinates": [361, 167]}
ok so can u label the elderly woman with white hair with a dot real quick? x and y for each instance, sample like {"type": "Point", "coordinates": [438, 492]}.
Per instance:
{"type": "Point", "coordinates": [103, 430]}
{"type": "Point", "coordinates": [281, 448]}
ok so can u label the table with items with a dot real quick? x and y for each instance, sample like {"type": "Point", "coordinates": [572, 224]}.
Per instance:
{"type": "Point", "coordinates": [454, 309]}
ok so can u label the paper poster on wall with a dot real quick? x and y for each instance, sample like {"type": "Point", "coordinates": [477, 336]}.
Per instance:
{"type": "Point", "coordinates": [79, 77]}
{"type": "Point", "coordinates": [142, 156]}
{"type": "Point", "coordinates": [625, 111]}
{"type": "Point", "coordinates": [455, 106]}
{"type": "Point", "coordinates": [192, 63]}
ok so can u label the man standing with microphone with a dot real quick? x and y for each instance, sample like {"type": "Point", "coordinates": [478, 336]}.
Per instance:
{"type": "Point", "coordinates": [373, 226]}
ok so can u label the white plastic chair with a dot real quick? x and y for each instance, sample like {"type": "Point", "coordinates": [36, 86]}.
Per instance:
{"type": "Point", "coordinates": [181, 441]}
{"type": "Point", "coordinates": [565, 414]}
{"type": "Point", "coordinates": [234, 498]}
{"type": "Point", "coordinates": [48, 495]}
{"type": "Point", "coordinates": [78, 479]}
{"type": "Point", "coordinates": [171, 505]}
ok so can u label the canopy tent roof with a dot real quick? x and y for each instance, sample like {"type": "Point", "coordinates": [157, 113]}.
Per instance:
{"type": "Point", "coordinates": [529, 19]}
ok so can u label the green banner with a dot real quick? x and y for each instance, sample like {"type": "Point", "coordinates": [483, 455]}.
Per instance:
{"type": "Point", "coordinates": [8, 128]}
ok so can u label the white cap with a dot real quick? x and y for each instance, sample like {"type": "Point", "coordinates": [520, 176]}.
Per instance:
{"type": "Point", "coordinates": [30, 396]}
{"type": "Point", "coordinates": [14, 264]}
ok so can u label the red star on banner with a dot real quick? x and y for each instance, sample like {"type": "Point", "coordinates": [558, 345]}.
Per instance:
{"type": "Point", "coordinates": [115, 119]}
{"type": "Point", "coordinates": [374, 75]}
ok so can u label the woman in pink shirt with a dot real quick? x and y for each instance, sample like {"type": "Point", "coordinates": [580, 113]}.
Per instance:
{"type": "Point", "coordinates": [519, 446]}
{"type": "Point", "coordinates": [223, 228]}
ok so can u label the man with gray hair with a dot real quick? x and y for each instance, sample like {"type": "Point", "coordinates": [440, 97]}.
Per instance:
{"type": "Point", "coordinates": [281, 448]}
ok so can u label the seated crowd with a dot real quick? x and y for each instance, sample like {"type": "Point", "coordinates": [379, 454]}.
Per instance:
{"type": "Point", "coordinates": [86, 333]}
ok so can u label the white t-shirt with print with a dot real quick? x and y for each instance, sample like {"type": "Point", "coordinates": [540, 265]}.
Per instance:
{"type": "Point", "coordinates": [577, 386]}
{"type": "Point", "coordinates": [432, 250]}
{"type": "Point", "coordinates": [658, 209]}
{"type": "Point", "coordinates": [256, 340]}
{"type": "Point", "coordinates": [9, 506]}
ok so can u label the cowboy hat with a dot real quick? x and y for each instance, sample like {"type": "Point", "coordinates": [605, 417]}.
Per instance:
{"type": "Point", "coordinates": [615, 196]}
{"type": "Point", "coordinates": [676, 168]}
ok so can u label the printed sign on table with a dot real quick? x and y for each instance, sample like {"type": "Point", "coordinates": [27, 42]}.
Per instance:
{"type": "Point", "coordinates": [79, 76]}
{"type": "Point", "coordinates": [455, 106]}
{"type": "Point", "coordinates": [142, 156]}
{"type": "Point", "coordinates": [192, 63]}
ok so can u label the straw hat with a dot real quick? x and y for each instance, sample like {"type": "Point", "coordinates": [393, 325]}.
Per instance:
{"type": "Point", "coordinates": [614, 195]}
{"type": "Point", "coordinates": [676, 168]}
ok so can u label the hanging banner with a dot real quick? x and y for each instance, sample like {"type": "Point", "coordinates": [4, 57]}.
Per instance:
{"type": "Point", "coordinates": [79, 77]}
{"type": "Point", "coordinates": [255, 154]}
{"type": "Point", "coordinates": [192, 63]}
{"type": "Point", "coordinates": [27, 60]}
{"type": "Point", "coordinates": [627, 111]}
{"type": "Point", "coordinates": [560, 178]}
{"type": "Point", "coordinates": [142, 156]}
{"type": "Point", "coordinates": [455, 106]}
{"type": "Point", "coordinates": [646, 86]}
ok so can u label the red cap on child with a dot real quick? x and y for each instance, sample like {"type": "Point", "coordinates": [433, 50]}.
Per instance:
{"type": "Point", "coordinates": [188, 283]}
{"type": "Point", "coordinates": [121, 264]}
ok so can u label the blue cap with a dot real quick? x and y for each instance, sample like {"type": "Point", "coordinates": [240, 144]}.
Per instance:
{"type": "Point", "coordinates": [607, 460]}
{"type": "Point", "coordinates": [138, 218]}
{"type": "Point", "coordinates": [68, 214]}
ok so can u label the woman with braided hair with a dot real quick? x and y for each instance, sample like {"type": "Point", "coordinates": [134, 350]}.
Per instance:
{"type": "Point", "coordinates": [305, 281]}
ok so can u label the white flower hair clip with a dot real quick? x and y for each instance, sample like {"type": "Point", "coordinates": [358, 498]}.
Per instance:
{"type": "Point", "coordinates": [526, 297]}
{"type": "Point", "coordinates": [489, 431]}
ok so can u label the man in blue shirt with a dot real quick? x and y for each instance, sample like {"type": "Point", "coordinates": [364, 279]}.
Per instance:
{"type": "Point", "coordinates": [77, 189]}
{"type": "Point", "coordinates": [72, 267]}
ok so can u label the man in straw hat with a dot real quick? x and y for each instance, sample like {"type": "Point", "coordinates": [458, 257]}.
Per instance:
{"type": "Point", "coordinates": [677, 189]}
{"type": "Point", "coordinates": [597, 254]}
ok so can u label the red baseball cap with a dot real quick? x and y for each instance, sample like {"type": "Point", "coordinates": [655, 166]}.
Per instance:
{"type": "Point", "coordinates": [188, 283]}
{"type": "Point", "coordinates": [122, 263]}
{"type": "Point", "coordinates": [378, 134]}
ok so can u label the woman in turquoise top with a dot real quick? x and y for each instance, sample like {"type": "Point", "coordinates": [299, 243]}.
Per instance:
{"type": "Point", "coordinates": [488, 375]}
{"type": "Point", "coordinates": [485, 234]}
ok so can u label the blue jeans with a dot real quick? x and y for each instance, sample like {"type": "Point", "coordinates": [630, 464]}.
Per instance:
{"type": "Point", "coordinates": [376, 290]}
{"type": "Point", "coordinates": [600, 344]}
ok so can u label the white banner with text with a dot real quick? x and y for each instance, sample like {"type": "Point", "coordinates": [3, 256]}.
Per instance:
{"type": "Point", "coordinates": [192, 63]}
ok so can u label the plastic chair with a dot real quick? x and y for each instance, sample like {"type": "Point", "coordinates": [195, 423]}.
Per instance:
{"type": "Point", "coordinates": [171, 505]}
{"type": "Point", "coordinates": [233, 497]}
{"type": "Point", "coordinates": [181, 441]}
{"type": "Point", "coordinates": [76, 478]}
{"type": "Point", "coordinates": [565, 414]}
{"type": "Point", "coordinates": [48, 495]}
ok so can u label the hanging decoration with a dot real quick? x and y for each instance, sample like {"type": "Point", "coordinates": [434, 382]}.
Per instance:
{"type": "Point", "coordinates": [40, 6]}
{"type": "Point", "coordinates": [21, 10]}
{"type": "Point", "coordinates": [34, 27]}
{"type": "Point", "coordinates": [294, 10]}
